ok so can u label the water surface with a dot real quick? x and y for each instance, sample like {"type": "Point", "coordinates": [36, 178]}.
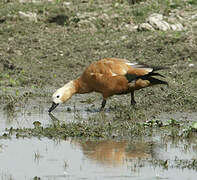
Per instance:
{"type": "Point", "coordinates": [141, 158]}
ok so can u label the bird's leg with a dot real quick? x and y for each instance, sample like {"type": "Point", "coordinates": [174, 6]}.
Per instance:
{"type": "Point", "coordinates": [103, 104]}
{"type": "Point", "coordinates": [133, 102]}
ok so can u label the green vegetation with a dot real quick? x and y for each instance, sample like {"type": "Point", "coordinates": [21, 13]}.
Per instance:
{"type": "Point", "coordinates": [107, 129]}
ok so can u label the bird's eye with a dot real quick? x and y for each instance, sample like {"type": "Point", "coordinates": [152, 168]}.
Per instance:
{"type": "Point", "coordinates": [58, 96]}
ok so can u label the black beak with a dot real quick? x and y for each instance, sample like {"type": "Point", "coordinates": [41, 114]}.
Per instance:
{"type": "Point", "coordinates": [54, 105]}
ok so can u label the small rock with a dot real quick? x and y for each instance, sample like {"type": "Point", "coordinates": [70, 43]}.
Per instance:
{"type": "Point", "coordinates": [194, 126]}
{"type": "Point", "coordinates": [191, 65]}
{"type": "Point", "coordinates": [145, 27]}
{"type": "Point", "coordinates": [131, 27]}
{"type": "Point", "coordinates": [116, 5]}
{"type": "Point", "coordinates": [161, 25]}
{"type": "Point", "coordinates": [67, 3]}
{"type": "Point", "coordinates": [156, 20]}
{"type": "Point", "coordinates": [155, 17]}
{"type": "Point", "coordinates": [29, 15]}
{"type": "Point", "coordinates": [10, 39]}
{"type": "Point", "coordinates": [124, 37]}
{"type": "Point", "coordinates": [194, 17]}
{"type": "Point", "coordinates": [177, 27]}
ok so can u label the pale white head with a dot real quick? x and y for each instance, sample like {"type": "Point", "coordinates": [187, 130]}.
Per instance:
{"type": "Point", "coordinates": [57, 96]}
{"type": "Point", "coordinates": [62, 95]}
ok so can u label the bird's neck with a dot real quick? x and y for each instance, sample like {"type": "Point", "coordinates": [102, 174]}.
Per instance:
{"type": "Point", "coordinates": [81, 87]}
{"type": "Point", "coordinates": [69, 90]}
{"type": "Point", "coordinates": [72, 86]}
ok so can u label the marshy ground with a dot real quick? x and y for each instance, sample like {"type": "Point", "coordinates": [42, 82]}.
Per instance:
{"type": "Point", "coordinates": [39, 54]}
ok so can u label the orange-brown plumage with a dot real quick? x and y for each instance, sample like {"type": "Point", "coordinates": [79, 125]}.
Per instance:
{"type": "Point", "coordinates": [110, 76]}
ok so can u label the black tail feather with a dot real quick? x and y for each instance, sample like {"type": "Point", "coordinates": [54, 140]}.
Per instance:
{"type": "Point", "coordinates": [157, 68]}
{"type": "Point", "coordinates": [155, 74]}
{"type": "Point", "coordinates": [133, 77]}
{"type": "Point", "coordinates": [149, 76]}
{"type": "Point", "coordinates": [154, 81]}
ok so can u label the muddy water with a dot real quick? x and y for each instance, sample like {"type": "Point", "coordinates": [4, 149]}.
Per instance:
{"type": "Point", "coordinates": [79, 159]}
{"type": "Point", "coordinates": [22, 114]}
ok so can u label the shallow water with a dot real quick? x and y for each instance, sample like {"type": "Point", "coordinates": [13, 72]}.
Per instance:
{"type": "Point", "coordinates": [24, 114]}
{"type": "Point", "coordinates": [75, 159]}
{"type": "Point", "coordinates": [79, 159]}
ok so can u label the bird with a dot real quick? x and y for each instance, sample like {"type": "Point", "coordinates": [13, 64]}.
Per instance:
{"type": "Point", "coordinates": [110, 76]}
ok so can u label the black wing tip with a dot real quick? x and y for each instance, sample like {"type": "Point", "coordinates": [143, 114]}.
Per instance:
{"type": "Point", "coordinates": [157, 81]}
{"type": "Point", "coordinates": [157, 68]}
{"type": "Point", "coordinates": [155, 74]}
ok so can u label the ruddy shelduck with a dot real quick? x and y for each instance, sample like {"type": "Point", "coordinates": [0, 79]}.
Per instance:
{"type": "Point", "coordinates": [109, 76]}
